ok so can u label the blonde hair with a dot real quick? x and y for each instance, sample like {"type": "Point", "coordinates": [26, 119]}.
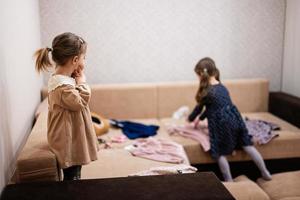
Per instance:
{"type": "Point", "coordinates": [64, 47]}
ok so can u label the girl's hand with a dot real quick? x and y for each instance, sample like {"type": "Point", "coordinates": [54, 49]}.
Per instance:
{"type": "Point", "coordinates": [75, 74]}
{"type": "Point", "coordinates": [196, 123]}
{"type": "Point", "coordinates": [79, 76]}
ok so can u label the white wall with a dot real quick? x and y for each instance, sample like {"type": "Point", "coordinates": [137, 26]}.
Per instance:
{"type": "Point", "coordinates": [291, 64]}
{"type": "Point", "coordinates": [154, 40]}
{"type": "Point", "coordinates": [19, 84]}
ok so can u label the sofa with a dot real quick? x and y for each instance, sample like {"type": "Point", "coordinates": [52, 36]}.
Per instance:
{"type": "Point", "coordinates": [283, 186]}
{"type": "Point", "coordinates": [153, 103]}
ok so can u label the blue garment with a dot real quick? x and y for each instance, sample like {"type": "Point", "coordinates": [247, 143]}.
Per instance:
{"type": "Point", "coordinates": [135, 130]}
{"type": "Point", "coordinates": [227, 130]}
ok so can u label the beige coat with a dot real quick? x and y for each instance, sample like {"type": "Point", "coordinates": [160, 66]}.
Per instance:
{"type": "Point", "coordinates": [71, 135]}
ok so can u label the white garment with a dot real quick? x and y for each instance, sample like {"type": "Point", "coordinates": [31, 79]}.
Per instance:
{"type": "Point", "coordinates": [182, 112]}
{"type": "Point", "coordinates": [165, 170]}
{"type": "Point", "coordinates": [59, 80]}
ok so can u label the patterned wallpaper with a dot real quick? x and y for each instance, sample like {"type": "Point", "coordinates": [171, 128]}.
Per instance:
{"type": "Point", "coordinates": [162, 40]}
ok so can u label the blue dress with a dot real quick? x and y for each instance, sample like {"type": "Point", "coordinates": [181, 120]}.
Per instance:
{"type": "Point", "coordinates": [227, 130]}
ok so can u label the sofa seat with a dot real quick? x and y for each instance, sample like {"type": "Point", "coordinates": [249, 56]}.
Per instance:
{"type": "Point", "coordinates": [284, 146]}
{"type": "Point", "coordinates": [283, 186]}
{"type": "Point", "coordinates": [119, 163]}
{"type": "Point", "coordinates": [244, 189]}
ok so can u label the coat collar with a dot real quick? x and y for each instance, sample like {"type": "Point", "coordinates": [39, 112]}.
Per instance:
{"type": "Point", "coordinates": [59, 80]}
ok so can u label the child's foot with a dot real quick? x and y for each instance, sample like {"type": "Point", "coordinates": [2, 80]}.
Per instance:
{"type": "Point", "coordinates": [266, 176]}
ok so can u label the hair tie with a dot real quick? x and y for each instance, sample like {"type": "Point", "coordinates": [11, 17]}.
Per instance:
{"type": "Point", "coordinates": [49, 49]}
{"type": "Point", "coordinates": [205, 70]}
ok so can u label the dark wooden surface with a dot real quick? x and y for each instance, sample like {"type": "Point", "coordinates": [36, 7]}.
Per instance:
{"type": "Point", "coordinates": [203, 185]}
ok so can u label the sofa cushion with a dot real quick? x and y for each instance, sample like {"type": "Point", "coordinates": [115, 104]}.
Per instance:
{"type": "Point", "coordinates": [118, 163]}
{"type": "Point", "coordinates": [282, 186]}
{"type": "Point", "coordinates": [249, 95]}
{"type": "Point", "coordinates": [284, 146]}
{"type": "Point", "coordinates": [42, 107]}
{"type": "Point", "coordinates": [124, 101]}
{"type": "Point", "coordinates": [171, 96]}
{"type": "Point", "coordinates": [243, 189]}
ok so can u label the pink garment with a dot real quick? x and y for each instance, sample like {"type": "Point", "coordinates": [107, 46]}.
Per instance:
{"type": "Point", "coordinates": [158, 150]}
{"type": "Point", "coordinates": [198, 133]}
{"type": "Point", "coordinates": [119, 139]}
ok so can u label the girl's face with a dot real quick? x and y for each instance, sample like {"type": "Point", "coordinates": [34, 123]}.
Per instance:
{"type": "Point", "coordinates": [199, 76]}
{"type": "Point", "coordinates": [81, 62]}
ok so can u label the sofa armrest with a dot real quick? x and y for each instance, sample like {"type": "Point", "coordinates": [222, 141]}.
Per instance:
{"type": "Point", "coordinates": [285, 106]}
{"type": "Point", "coordinates": [37, 165]}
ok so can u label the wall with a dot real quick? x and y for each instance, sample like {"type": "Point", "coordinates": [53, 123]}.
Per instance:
{"type": "Point", "coordinates": [19, 84]}
{"type": "Point", "coordinates": [153, 40]}
{"type": "Point", "coordinates": [291, 63]}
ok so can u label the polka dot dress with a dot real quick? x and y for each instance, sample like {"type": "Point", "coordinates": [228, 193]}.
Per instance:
{"type": "Point", "coordinates": [227, 129]}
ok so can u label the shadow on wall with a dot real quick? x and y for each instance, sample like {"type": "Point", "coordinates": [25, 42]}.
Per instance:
{"type": "Point", "coordinates": [6, 146]}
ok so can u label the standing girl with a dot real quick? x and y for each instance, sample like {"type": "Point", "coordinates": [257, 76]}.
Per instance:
{"type": "Point", "coordinates": [227, 130]}
{"type": "Point", "coordinates": [71, 134]}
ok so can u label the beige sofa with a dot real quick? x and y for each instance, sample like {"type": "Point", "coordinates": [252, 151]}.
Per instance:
{"type": "Point", "coordinates": [153, 104]}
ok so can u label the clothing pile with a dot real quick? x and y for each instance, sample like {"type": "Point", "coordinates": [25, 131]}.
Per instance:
{"type": "Point", "coordinates": [158, 150]}
{"type": "Point", "coordinates": [261, 131]}
{"type": "Point", "coordinates": [135, 130]}
{"type": "Point", "coordinates": [198, 133]}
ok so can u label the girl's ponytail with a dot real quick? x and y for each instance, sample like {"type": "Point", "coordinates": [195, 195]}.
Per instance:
{"type": "Point", "coordinates": [203, 86]}
{"type": "Point", "coordinates": [42, 62]}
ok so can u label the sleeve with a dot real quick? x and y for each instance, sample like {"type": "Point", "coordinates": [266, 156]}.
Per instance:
{"type": "Point", "coordinates": [203, 115]}
{"type": "Point", "coordinates": [75, 99]}
{"type": "Point", "coordinates": [198, 110]}
{"type": "Point", "coordinates": [85, 91]}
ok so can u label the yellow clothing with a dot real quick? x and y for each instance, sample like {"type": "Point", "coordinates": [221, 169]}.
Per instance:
{"type": "Point", "coordinates": [71, 134]}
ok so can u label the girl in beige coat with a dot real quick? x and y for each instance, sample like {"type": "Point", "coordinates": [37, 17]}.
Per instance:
{"type": "Point", "coordinates": [71, 134]}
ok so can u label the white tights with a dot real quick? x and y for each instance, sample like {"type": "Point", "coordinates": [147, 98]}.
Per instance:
{"type": "Point", "coordinates": [255, 156]}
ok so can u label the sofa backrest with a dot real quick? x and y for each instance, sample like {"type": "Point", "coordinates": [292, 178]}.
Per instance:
{"type": "Point", "coordinates": [249, 95]}
{"type": "Point", "coordinates": [160, 100]}
{"type": "Point", "coordinates": [124, 101]}
{"type": "Point", "coordinates": [171, 96]}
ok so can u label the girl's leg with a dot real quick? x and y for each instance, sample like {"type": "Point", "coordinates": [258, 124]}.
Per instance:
{"type": "Point", "coordinates": [69, 173]}
{"type": "Point", "coordinates": [72, 173]}
{"type": "Point", "coordinates": [258, 160]}
{"type": "Point", "coordinates": [225, 168]}
{"type": "Point", "coordinates": [78, 172]}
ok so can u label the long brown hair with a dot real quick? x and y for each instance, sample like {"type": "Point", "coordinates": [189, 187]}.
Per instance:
{"type": "Point", "coordinates": [64, 47]}
{"type": "Point", "coordinates": [205, 68]}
